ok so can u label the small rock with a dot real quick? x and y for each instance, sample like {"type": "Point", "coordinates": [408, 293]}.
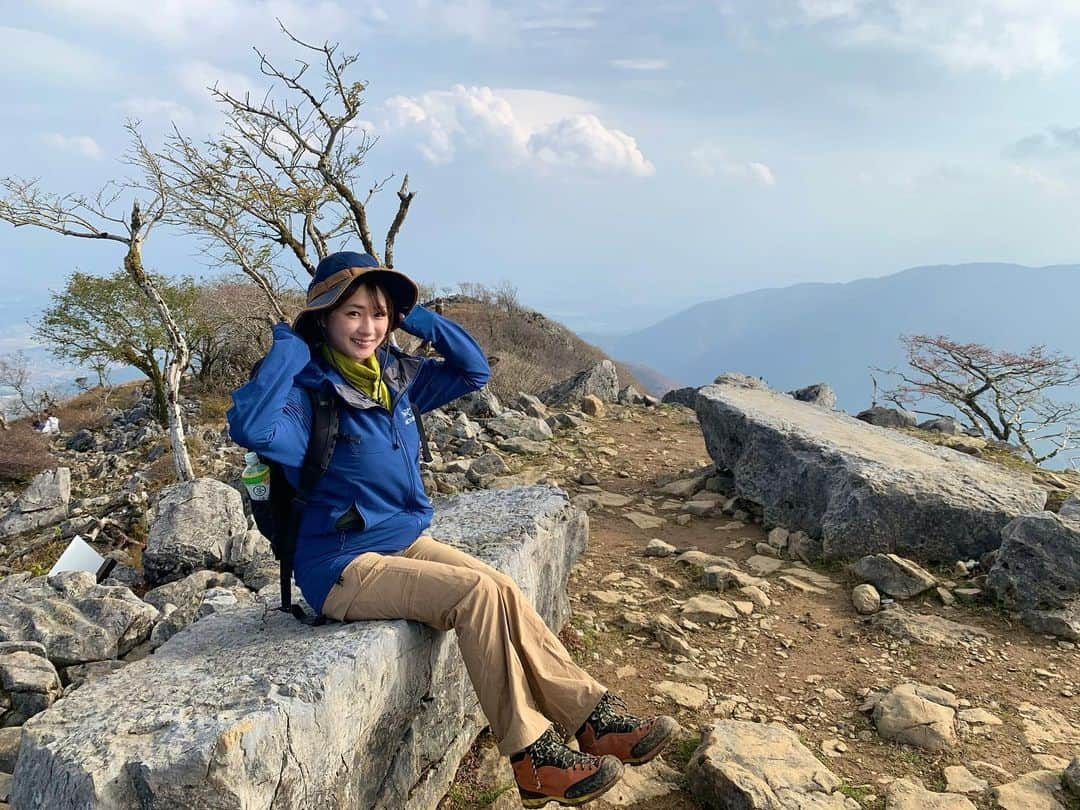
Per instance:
{"type": "Point", "coordinates": [866, 599]}
{"type": "Point", "coordinates": [687, 696]}
{"type": "Point", "coordinates": [658, 548]}
{"type": "Point", "coordinates": [906, 794]}
{"type": "Point", "coordinates": [959, 779]}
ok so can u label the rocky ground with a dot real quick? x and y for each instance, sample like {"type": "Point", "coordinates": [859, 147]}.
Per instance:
{"type": "Point", "coordinates": [791, 650]}
{"type": "Point", "coordinates": [682, 604]}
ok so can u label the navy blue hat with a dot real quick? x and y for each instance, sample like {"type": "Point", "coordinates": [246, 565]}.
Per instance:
{"type": "Point", "coordinates": [334, 275]}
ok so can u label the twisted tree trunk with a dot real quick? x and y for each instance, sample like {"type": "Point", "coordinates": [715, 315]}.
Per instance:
{"type": "Point", "coordinates": [181, 354]}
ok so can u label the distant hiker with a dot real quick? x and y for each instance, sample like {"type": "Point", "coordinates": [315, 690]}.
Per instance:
{"type": "Point", "coordinates": [362, 547]}
{"type": "Point", "coordinates": [50, 423]}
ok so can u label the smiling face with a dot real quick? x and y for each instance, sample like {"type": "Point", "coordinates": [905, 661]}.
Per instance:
{"type": "Point", "coordinates": [357, 325]}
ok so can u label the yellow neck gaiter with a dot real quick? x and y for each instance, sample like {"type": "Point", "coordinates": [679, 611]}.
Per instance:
{"type": "Point", "coordinates": [363, 376]}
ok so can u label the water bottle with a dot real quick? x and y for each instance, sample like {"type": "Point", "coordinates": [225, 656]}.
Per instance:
{"type": "Point", "coordinates": [256, 478]}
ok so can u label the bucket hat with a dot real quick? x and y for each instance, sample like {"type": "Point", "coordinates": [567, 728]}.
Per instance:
{"type": "Point", "coordinates": [334, 275]}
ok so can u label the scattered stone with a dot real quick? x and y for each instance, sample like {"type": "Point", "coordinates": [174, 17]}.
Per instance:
{"type": "Point", "coordinates": [705, 608]}
{"type": "Point", "coordinates": [865, 599]}
{"type": "Point", "coordinates": [192, 525]}
{"type": "Point", "coordinates": [959, 779]}
{"type": "Point", "coordinates": [9, 748]}
{"type": "Point", "coordinates": [658, 548]}
{"type": "Point", "coordinates": [511, 424]}
{"type": "Point", "coordinates": [833, 748]}
{"type": "Point", "coordinates": [1037, 571]}
{"type": "Point", "coordinates": [29, 684]}
{"type": "Point", "coordinates": [887, 417]}
{"type": "Point", "coordinates": [44, 503]}
{"type": "Point", "coordinates": [893, 575]}
{"type": "Point", "coordinates": [931, 630]}
{"type": "Point", "coordinates": [485, 467]}
{"type": "Point", "coordinates": [592, 406]}
{"type": "Point", "coordinates": [75, 619]}
{"type": "Point", "coordinates": [643, 521]}
{"type": "Point", "coordinates": [918, 715]}
{"type": "Point", "coordinates": [818, 394]}
{"type": "Point", "coordinates": [942, 424]}
{"type": "Point", "coordinates": [686, 487]}
{"type": "Point", "coordinates": [602, 380]}
{"type": "Point", "coordinates": [764, 566]}
{"type": "Point", "coordinates": [1046, 727]}
{"type": "Point", "coordinates": [1071, 777]}
{"type": "Point", "coordinates": [778, 538]}
{"type": "Point", "coordinates": [687, 696]}
{"type": "Point", "coordinates": [906, 794]}
{"type": "Point", "coordinates": [1038, 790]}
{"type": "Point", "coordinates": [979, 717]}
{"type": "Point", "coordinates": [639, 786]}
{"type": "Point", "coordinates": [757, 596]}
{"type": "Point", "coordinates": [761, 767]}
{"type": "Point", "coordinates": [799, 585]}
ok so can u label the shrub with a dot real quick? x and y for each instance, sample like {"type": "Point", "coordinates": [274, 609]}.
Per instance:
{"type": "Point", "coordinates": [23, 453]}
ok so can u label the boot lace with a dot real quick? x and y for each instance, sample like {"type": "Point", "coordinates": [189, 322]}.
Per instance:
{"type": "Point", "coordinates": [606, 717]}
{"type": "Point", "coordinates": [550, 750]}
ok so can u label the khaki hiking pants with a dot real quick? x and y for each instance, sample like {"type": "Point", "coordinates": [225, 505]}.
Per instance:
{"type": "Point", "coordinates": [522, 674]}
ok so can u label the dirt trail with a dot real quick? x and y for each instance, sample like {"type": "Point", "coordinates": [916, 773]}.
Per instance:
{"type": "Point", "coordinates": [807, 661]}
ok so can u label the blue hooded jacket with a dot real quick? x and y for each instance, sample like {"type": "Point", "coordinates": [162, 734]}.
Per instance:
{"type": "Point", "coordinates": [371, 497]}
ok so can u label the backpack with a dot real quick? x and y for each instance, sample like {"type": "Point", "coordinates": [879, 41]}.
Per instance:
{"type": "Point", "coordinates": [278, 517]}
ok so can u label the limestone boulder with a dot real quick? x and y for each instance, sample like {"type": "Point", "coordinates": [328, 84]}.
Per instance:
{"type": "Point", "coordinates": [858, 488]}
{"type": "Point", "coordinates": [75, 619]}
{"type": "Point", "coordinates": [928, 629]}
{"type": "Point", "coordinates": [251, 708]}
{"type": "Point", "coordinates": [680, 396]}
{"type": "Point", "coordinates": [29, 683]}
{"type": "Point", "coordinates": [893, 575]}
{"type": "Point", "coordinates": [1038, 790]}
{"type": "Point", "coordinates": [481, 404]}
{"type": "Point", "coordinates": [512, 424]}
{"type": "Point", "coordinates": [601, 380]}
{"type": "Point", "coordinates": [818, 394]}
{"type": "Point", "coordinates": [179, 601]}
{"type": "Point", "coordinates": [1037, 571]}
{"type": "Point", "coordinates": [942, 424]}
{"type": "Point", "coordinates": [1070, 508]}
{"type": "Point", "coordinates": [761, 767]}
{"type": "Point", "coordinates": [918, 715]}
{"type": "Point", "coordinates": [865, 599]}
{"type": "Point", "coordinates": [44, 503]}
{"type": "Point", "coordinates": [906, 794]}
{"type": "Point", "coordinates": [193, 526]}
{"type": "Point", "coordinates": [887, 417]}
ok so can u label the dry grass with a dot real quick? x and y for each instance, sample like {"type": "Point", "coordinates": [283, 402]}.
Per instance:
{"type": "Point", "coordinates": [530, 352]}
{"type": "Point", "coordinates": [23, 453]}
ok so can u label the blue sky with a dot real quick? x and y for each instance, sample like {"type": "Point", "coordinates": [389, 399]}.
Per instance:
{"type": "Point", "coordinates": [617, 162]}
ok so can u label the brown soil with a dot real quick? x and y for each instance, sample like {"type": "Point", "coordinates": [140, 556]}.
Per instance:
{"type": "Point", "coordinates": [781, 666]}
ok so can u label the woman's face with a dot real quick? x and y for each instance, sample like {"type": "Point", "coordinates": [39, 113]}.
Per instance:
{"type": "Point", "coordinates": [358, 325]}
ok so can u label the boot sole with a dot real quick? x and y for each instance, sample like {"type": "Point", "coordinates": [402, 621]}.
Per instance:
{"type": "Point", "coordinates": [530, 799]}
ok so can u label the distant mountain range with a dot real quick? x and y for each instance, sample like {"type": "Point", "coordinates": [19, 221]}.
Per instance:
{"type": "Point", "coordinates": [834, 333]}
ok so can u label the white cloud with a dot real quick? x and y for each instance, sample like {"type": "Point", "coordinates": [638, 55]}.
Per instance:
{"type": "Point", "coordinates": [517, 127]}
{"type": "Point", "coordinates": [640, 64]}
{"type": "Point", "coordinates": [29, 55]}
{"type": "Point", "coordinates": [583, 142]}
{"type": "Point", "coordinates": [180, 23]}
{"type": "Point", "coordinates": [82, 145]}
{"type": "Point", "coordinates": [1053, 184]}
{"type": "Point", "coordinates": [712, 160]}
{"type": "Point", "coordinates": [1005, 36]}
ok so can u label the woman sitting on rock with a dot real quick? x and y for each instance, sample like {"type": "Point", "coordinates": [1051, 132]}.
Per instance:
{"type": "Point", "coordinates": [363, 552]}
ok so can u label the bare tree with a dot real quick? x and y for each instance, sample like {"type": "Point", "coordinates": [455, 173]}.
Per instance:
{"type": "Point", "coordinates": [280, 180]}
{"type": "Point", "coordinates": [23, 203]}
{"type": "Point", "coordinates": [15, 376]}
{"type": "Point", "coordinates": [998, 392]}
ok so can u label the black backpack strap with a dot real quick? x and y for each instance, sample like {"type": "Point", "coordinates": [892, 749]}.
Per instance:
{"type": "Point", "coordinates": [320, 449]}
{"type": "Point", "coordinates": [423, 438]}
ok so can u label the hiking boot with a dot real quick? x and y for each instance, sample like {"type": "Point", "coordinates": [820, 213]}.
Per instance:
{"type": "Point", "coordinates": [549, 770]}
{"type": "Point", "coordinates": [634, 740]}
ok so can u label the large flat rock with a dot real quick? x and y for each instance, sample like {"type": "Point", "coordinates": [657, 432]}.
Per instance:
{"type": "Point", "coordinates": [861, 489]}
{"type": "Point", "coordinates": [249, 708]}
